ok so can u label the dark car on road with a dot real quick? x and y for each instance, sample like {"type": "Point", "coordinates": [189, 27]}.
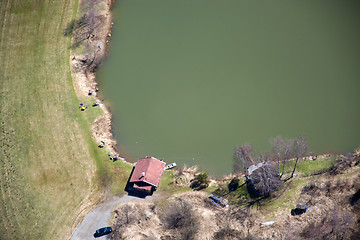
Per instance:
{"type": "Point", "coordinates": [102, 231]}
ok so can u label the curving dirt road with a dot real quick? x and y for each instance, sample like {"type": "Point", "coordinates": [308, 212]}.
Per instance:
{"type": "Point", "coordinates": [99, 218]}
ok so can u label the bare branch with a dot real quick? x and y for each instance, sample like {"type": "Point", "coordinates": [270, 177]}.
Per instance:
{"type": "Point", "coordinates": [242, 158]}
{"type": "Point", "coordinates": [300, 149]}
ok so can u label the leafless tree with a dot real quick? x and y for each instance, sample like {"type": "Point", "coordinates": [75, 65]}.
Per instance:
{"type": "Point", "coordinates": [263, 181]}
{"type": "Point", "coordinates": [277, 150]}
{"type": "Point", "coordinates": [300, 150]}
{"type": "Point", "coordinates": [124, 216]}
{"type": "Point", "coordinates": [180, 216]}
{"type": "Point", "coordinates": [242, 158]}
{"type": "Point", "coordinates": [234, 223]}
{"type": "Point", "coordinates": [264, 157]}
{"type": "Point", "coordinates": [85, 27]}
{"type": "Point", "coordinates": [90, 18]}
{"type": "Point", "coordinates": [282, 150]}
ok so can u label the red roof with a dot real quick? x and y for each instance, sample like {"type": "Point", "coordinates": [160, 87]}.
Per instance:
{"type": "Point", "coordinates": [142, 186]}
{"type": "Point", "coordinates": [148, 170]}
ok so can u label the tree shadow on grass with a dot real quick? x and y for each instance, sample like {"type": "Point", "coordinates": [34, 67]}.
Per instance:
{"type": "Point", "coordinates": [77, 28]}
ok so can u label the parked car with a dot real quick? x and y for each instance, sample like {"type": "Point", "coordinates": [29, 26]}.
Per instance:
{"type": "Point", "coordinates": [219, 201]}
{"type": "Point", "coordinates": [102, 231]}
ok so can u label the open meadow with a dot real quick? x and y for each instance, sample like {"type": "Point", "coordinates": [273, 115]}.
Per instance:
{"type": "Point", "coordinates": [52, 172]}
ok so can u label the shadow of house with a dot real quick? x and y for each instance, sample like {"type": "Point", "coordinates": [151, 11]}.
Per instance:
{"type": "Point", "coordinates": [145, 177]}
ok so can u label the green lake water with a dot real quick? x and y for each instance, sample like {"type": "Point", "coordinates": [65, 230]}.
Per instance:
{"type": "Point", "coordinates": [189, 80]}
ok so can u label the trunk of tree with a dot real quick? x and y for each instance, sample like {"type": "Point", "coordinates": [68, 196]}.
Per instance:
{"type": "Point", "coordinates": [283, 168]}
{"type": "Point", "coordinates": [293, 171]}
{"type": "Point", "coordinates": [278, 163]}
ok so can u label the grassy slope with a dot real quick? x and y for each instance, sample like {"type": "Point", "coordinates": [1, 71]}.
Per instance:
{"type": "Point", "coordinates": [48, 159]}
{"type": "Point", "coordinates": [288, 199]}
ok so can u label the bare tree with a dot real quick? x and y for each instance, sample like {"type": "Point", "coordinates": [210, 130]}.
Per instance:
{"type": "Point", "coordinates": [234, 223]}
{"type": "Point", "coordinates": [90, 18]}
{"type": "Point", "coordinates": [85, 27]}
{"type": "Point", "coordinates": [282, 150]}
{"type": "Point", "coordinates": [277, 145]}
{"type": "Point", "coordinates": [264, 157]}
{"type": "Point", "coordinates": [288, 153]}
{"type": "Point", "coordinates": [181, 217]}
{"type": "Point", "coordinates": [263, 180]}
{"type": "Point", "coordinates": [242, 158]}
{"type": "Point", "coordinates": [300, 150]}
{"type": "Point", "coordinates": [124, 217]}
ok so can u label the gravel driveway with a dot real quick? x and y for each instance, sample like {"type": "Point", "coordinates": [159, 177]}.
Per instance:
{"type": "Point", "coordinates": [99, 218]}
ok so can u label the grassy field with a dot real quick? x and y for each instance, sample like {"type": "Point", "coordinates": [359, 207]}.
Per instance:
{"type": "Point", "coordinates": [51, 170]}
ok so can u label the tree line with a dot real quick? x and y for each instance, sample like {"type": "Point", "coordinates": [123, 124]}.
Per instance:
{"type": "Point", "coordinates": [262, 174]}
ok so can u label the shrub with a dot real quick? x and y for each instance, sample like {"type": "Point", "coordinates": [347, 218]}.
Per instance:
{"type": "Point", "coordinates": [200, 181]}
{"type": "Point", "coordinates": [180, 216]}
{"type": "Point", "coordinates": [335, 225]}
{"type": "Point", "coordinates": [340, 166]}
{"type": "Point", "coordinates": [234, 184]}
{"type": "Point", "coordinates": [227, 233]}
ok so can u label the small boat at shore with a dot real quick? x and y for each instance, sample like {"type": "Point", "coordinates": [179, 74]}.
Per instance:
{"type": "Point", "coordinates": [170, 166]}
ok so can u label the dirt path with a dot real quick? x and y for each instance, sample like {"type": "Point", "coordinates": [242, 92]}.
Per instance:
{"type": "Point", "coordinates": [99, 218]}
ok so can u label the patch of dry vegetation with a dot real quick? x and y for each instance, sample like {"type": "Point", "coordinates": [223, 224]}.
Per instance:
{"type": "Point", "coordinates": [183, 175]}
{"type": "Point", "coordinates": [333, 212]}
{"type": "Point", "coordinates": [330, 213]}
{"type": "Point", "coordinates": [188, 215]}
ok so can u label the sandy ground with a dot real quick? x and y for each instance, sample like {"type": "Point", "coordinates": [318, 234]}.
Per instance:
{"type": "Point", "coordinates": [100, 217]}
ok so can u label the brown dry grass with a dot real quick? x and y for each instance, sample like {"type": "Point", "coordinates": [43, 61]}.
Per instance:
{"type": "Point", "coordinates": [327, 197]}
{"type": "Point", "coordinates": [139, 220]}
{"type": "Point", "coordinates": [324, 197]}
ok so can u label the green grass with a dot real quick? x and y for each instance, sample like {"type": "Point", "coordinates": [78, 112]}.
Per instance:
{"type": "Point", "coordinates": [167, 187]}
{"type": "Point", "coordinates": [288, 199]}
{"type": "Point", "coordinates": [308, 167]}
{"type": "Point", "coordinates": [51, 169]}
{"type": "Point", "coordinates": [238, 197]}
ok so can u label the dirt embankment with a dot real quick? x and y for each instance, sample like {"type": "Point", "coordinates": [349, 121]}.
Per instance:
{"type": "Point", "coordinates": [91, 37]}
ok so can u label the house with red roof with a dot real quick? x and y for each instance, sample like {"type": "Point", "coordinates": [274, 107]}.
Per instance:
{"type": "Point", "coordinates": [146, 175]}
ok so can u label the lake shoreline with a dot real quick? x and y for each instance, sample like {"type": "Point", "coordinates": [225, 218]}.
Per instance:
{"type": "Point", "coordinates": [84, 78]}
